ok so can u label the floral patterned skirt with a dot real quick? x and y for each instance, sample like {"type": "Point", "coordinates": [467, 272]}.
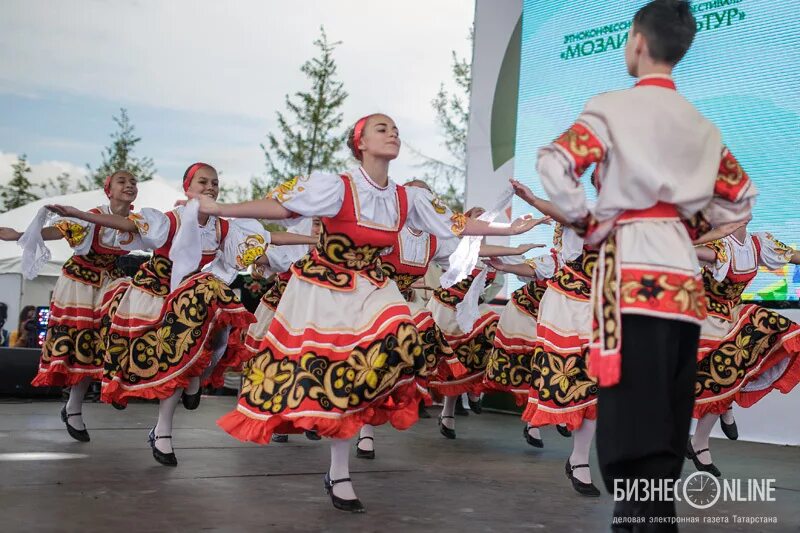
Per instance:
{"type": "Point", "coordinates": [511, 361]}
{"type": "Point", "coordinates": [472, 349]}
{"type": "Point", "coordinates": [743, 359]}
{"type": "Point", "coordinates": [440, 360]}
{"type": "Point", "coordinates": [156, 345]}
{"type": "Point", "coordinates": [561, 390]}
{"type": "Point", "coordinates": [74, 344]}
{"type": "Point", "coordinates": [332, 361]}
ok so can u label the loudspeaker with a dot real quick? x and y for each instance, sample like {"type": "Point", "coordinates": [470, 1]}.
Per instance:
{"type": "Point", "coordinates": [18, 366]}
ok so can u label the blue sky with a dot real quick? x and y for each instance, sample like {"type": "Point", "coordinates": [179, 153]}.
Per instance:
{"type": "Point", "coordinates": [202, 80]}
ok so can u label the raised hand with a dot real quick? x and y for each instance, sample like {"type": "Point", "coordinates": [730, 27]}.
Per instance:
{"type": "Point", "coordinates": [65, 210]}
{"type": "Point", "coordinates": [207, 205]}
{"type": "Point", "coordinates": [522, 248]}
{"type": "Point", "coordinates": [495, 264]}
{"type": "Point", "coordinates": [524, 224]}
{"type": "Point", "coordinates": [9, 234]}
{"type": "Point", "coordinates": [523, 191]}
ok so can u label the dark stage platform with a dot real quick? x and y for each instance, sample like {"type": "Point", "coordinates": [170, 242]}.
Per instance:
{"type": "Point", "coordinates": [486, 480]}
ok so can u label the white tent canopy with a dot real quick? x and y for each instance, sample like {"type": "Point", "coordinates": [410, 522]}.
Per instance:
{"type": "Point", "coordinates": [155, 193]}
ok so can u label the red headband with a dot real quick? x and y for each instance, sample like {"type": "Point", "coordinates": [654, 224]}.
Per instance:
{"type": "Point", "coordinates": [107, 185]}
{"type": "Point", "coordinates": [358, 130]}
{"type": "Point", "coordinates": [187, 177]}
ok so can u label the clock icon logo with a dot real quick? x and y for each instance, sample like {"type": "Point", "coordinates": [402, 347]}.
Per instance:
{"type": "Point", "coordinates": [701, 490]}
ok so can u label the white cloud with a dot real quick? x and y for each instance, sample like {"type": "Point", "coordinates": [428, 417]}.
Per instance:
{"type": "Point", "coordinates": [237, 58]}
{"type": "Point", "coordinates": [40, 171]}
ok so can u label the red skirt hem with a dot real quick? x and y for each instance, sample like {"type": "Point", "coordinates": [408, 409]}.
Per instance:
{"type": "Point", "coordinates": [571, 419]}
{"type": "Point", "coordinates": [59, 376]}
{"type": "Point", "coordinates": [788, 380]}
{"type": "Point", "coordinates": [400, 409]}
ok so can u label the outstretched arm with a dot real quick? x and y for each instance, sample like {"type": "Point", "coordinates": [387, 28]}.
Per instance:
{"type": "Point", "coordinates": [523, 269]}
{"type": "Point", "coordinates": [282, 238]}
{"type": "Point", "coordinates": [48, 234]}
{"type": "Point", "coordinates": [707, 255]}
{"type": "Point", "coordinates": [492, 250]}
{"type": "Point", "coordinates": [266, 208]}
{"type": "Point", "coordinates": [720, 232]}
{"type": "Point", "coordinates": [521, 225]}
{"type": "Point", "coordinates": [545, 207]}
{"type": "Point", "coordinates": [109, 221]}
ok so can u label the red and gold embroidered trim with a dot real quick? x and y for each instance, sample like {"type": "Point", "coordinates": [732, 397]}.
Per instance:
{"type": "Point", "coordinates": [732, 180]}
{"type": "Point", "coordinates": [582, 146]}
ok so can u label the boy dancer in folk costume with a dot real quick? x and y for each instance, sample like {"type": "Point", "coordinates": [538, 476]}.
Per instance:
{"type": "Point", "coordinates": [658, 161]}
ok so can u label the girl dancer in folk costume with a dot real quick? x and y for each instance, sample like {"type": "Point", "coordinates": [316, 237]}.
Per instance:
{"type": "Point", "coordinates": [278, 261]}
{"type": "Point", "coordinates": [471, 348]}
{"type": "Point", "coordinates": [745, 350]}
{"type": "Point", "coordinates": [166, 334]}
{"type": "Point", "coordinates": [561, 391]}
{"type": "Point", "coordinates": [342, 343]}
{"type": "Point", "coordinates": [72, 354]}
{"type": "Point", "coordinates": [406, 265]}
{"type": "Point", "coordinates": [511, 364]}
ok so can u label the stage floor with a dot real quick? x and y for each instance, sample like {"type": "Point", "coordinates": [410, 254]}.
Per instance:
{"type": "Point", "coordinates": [488, 479]}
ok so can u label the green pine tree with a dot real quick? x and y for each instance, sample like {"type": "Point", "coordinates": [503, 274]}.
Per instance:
{"type": "Point", "coordinates": [310, 138]}
{"type": "Point", "coordinates": [60, 185]}
{"type": "Point", "coordinates": [18, 191]}
{"type": "Point", "coordinates": [120, 156]}
{"type": "Point", "coordinates": [448, 178]}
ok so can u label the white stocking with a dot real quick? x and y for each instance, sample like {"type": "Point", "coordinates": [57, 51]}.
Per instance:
{"type": "Point", "coordinates": [581, 444]}
{"type": "Point", "coordinates": [700, 438]}
{"type": "Point", "coordinates": [75, 402]}
{"type": "Point", "coordinates": [368, 444]}
{"type": "Point", "coordinates": [533, 432]}
{"type": "Point", "coordinates": [166, 412]}
{"type": "Point", "coordinates": [340, 468]}
{"type": "Point", "coordinates": [727, 416]}
{"type": "Point", "coordinates": [449, 409]}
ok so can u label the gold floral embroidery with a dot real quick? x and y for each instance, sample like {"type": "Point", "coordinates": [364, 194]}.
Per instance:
{"type": "Point", "coordinates": [561, 379]}
{"type": "Point", "coordinates": [169, 346]}
{"type": "Point", "coordinates": [73, 232]}
{"type": "Point", "coordinates": [781, 249]}
{"type": "Point", "coordinates": [273, 385]}
{"type": "Point", "coordinates": [286, 190]}
{"type": "Point", "coordinates": [459, 221]}
{"type": "Point", "coordinates": [718, 247]}
{"type": "Point", "coordinates": [141, 223]}
{"type": "Point", "coordinates": [722, 371]}
{"type": "Point", "coordinates": [438, 205]}
{"type": "Point", "coordinates": [251, 249]}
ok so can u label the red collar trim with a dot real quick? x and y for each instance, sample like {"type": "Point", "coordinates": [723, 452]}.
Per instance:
{"type": "Point", "coordinates": [666, 83]}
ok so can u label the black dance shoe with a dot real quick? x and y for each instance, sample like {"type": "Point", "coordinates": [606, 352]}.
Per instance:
{"type": "Point", "coordinates": [423, 413]}
{"type": "Point", "coordinates": [444, 430]}
{"type": "Point", "coordinates": [475, 405]}
{"type": "Point", "coordinates": [365, 454]}
{"type": "Point", "coordinates": [118, 406]}
{"type": "Point", "coordinates": [312, 435]}
{"type": "Point", "coordinates": [584, 489]}
{"type": "Point", "coordinates": [191, 401]}
{"type": "Point", "coordinates": [78, 434]}
{"type": "Point", "coordinates": [460, 410]}
{"type": "Point", "coordinates": [730, 430]}
{"type": "Point", "coordinates": [702, 467]}
{"type": "Point", "coordinates": [351, 506]}
{"type": "Point", "coordinates": [280, 438]}
{"type": "Point", "coordinates": [166, 459]}
{"type": "Point", "coordinates": [533, 441]}
{"type": "Point", "coordinates": [563, 431]}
